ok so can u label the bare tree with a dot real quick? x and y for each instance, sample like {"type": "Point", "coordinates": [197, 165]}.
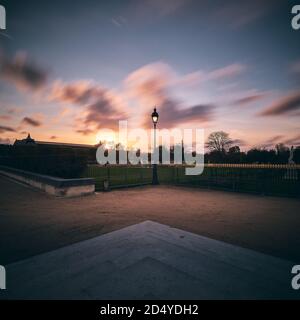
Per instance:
{"type": "Point", "coordinates": [218, 141]}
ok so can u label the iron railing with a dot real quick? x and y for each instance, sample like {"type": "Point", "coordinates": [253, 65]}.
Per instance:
{"type": "Point", "coordinates": [268, 179]}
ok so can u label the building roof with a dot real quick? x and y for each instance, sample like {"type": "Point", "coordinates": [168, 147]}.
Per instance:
{"type": "Point", "coordinates": [30, 141]}
{"type": "Point", "coordinates": [64, 144]}
{"type": "Point", "coordinates": [27, 141]}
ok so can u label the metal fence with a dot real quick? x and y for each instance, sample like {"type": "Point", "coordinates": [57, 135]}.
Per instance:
{"type": "Point", "coordinates": [119, 176]}
{"type": "Point", "coordinates": [256, 178]}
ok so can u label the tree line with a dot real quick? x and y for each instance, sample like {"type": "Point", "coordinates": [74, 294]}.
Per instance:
{"type": "Point", "coordinates": [223, 150]}
{"type": "Point", "coordinates": [69, 161]}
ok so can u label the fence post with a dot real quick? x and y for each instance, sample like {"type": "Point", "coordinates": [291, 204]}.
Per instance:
{"type": "Point", "coordinates": [262, 181]}
{"type": "Point", "coordinates": [108, 175]}
{"type": "Point", "coordinates": [173, 174]}
{"type": "Point", "coordinates": [233, 177]}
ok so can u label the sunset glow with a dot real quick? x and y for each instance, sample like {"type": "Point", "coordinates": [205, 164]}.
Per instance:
{"type": "Point", "coordinates": [197, 64]}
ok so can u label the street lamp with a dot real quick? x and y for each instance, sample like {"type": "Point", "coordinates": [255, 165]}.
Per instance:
{"type": "Point", "coordinates": [154, 117]}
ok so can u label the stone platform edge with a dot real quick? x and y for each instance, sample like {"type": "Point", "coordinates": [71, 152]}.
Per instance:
{"type": "Point", "coordinates": [52, 185]}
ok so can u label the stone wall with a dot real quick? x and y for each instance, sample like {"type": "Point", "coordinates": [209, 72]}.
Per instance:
{"type": "Point", "coordinates": [51, 185]}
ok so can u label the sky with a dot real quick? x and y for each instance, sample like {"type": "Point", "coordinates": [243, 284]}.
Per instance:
{"type": "Point", "coordinates": [70, 69]}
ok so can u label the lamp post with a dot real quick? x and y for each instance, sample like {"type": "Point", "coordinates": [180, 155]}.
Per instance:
{"type": "Point", "coordinates": [154, 117]}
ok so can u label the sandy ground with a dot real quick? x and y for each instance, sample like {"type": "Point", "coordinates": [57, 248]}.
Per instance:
{"type": "Point", "coordinates": [32, 222]}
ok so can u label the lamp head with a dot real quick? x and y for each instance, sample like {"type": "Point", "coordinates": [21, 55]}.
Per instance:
{"type": "Point", "coordinates": [155, 116]}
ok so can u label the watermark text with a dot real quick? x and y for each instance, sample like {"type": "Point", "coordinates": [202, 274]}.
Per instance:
{"type": "Point", "coordinates": [137, 145]}
{"type": "Point", "coordinates": [296, 18]}
{"type": "Point", "coordinates": [2, 18]}
{"type": "Point", "coordinates": [296, 278]}
{"type": "Point", "coordinates": [2, 278]}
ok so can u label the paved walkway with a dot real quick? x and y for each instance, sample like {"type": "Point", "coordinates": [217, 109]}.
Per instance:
{"type": "Point", "coordinates": [150, 260]}
{"type": "Point", "coordinates": [32, 223]}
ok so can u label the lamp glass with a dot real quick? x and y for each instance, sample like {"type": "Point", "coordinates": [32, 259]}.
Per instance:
{"type": "Point", "coordinates": [154, 119]}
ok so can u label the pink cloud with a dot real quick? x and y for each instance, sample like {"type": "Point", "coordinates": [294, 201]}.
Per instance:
{"type": "Point", "coordinates": [278, 139]}
{"type": "Point", "coordinates": [294, 140]}
{"type": "Point", "coordinates": [286, 105]}
{"type": "Point", "coordinates": [249, 99]}
{"type": "Point", "coordinates": [4, 141]}
{"type": "Point", "coordinates": [5, 117]}
{"type": "Point", "coordinates": [4, 129]}
{"type": "Point", "coordinates": [150, 85]}
{"type": "Point", "coordinates": [22, 72]}
{"type": "Point", "coordinates": [85, 132]}
{"type": "Point", "coordinates": [230, 71]}
{"type": "Point", "coordinates": [149, 82]}
{"type": "Point", "coordinates": [101, 108]}
{"type": "Point", "coordinates": [31, 122]}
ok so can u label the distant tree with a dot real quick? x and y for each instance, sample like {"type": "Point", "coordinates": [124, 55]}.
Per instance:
{"type": "Point", "coordinates": [297, 155]}
{"type": "Point", "coordinates": [261, 156]}
{"type": "Point", "coordinates": [219, 141]}
{"type": "Point", "coordinates": [235, 155]}
{"type": "Point", "coordinates": [283, 153]}
{"type": "Point", "coordinates": [281, 148]}
{"type": "Point", "coordinates": [234, 149]}
{"type": "Point", "coordinates": [215, 156]}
